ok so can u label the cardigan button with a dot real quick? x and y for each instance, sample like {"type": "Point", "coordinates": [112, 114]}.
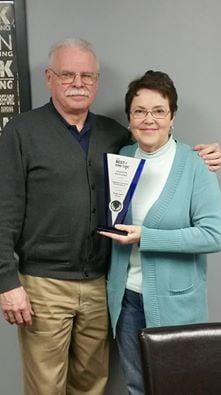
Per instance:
{"type": "Point", "coordinates": [94, 210]}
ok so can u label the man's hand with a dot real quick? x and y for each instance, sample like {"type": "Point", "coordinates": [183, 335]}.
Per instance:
{"type": "Point", "coordinates": [211, 154]}
{"type": "Point", "coordinates": [133, 234]}
{"type": "Point", "coordinates": [16, 306]}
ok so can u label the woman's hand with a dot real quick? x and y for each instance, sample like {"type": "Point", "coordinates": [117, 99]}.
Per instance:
{"type": "Point", "coordinates": [211, 154]}
{"type": "Point", "coordinates": [132, 237]}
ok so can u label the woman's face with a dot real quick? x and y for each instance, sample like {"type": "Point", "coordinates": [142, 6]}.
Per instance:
{"type": "Point", "coordinates": [151, 133]}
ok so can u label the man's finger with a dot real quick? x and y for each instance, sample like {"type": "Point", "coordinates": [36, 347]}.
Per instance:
{"type": "Point", "coordinates": [27, 317]}
{"type": "Point", "coordinates": [31, 310]}
{"type": "Point", "coordinates": [18, 318]}
{"type": "Point", "coordinates": [11, 317]}
{"type": "Point", "coordinates": [214, 168]}
{"type": "Point", "coordinates": [199, 147]}
{"type": "Point", "coordinates": [215, 156]}
{"type": "Point", "coordinates": [204, 149]}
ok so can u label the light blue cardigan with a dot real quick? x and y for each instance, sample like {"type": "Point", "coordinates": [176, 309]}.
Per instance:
{"type": "Point", "coordinates": [181, 227]}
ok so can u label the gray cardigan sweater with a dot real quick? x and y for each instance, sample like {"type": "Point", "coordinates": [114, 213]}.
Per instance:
{"type": "Point", "coordinates": [52, 197]}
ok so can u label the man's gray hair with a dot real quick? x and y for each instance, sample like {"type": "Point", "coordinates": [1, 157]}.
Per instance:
{"type": "Point", "coordinates": [79, 43]}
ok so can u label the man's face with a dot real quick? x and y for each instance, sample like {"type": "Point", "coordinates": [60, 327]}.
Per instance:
{"type": "Point", "coordinates": [77, 96]}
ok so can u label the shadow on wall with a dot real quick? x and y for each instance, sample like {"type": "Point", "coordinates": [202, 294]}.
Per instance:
{"type": "Point", "coordinates": [39, 91]}
{"type": "Point", "coordinates": [10, 360]}
{"type": "Point", "coordinates": [110, 97]}
{"type": "Point", "coordinates": [116, 385]}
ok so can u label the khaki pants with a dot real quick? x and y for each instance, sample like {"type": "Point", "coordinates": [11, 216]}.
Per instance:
{"type": "Point", "coordinates": [65, 350]}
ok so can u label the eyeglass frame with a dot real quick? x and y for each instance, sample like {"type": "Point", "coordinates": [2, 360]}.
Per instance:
{"type": "Point", "coordinates": [75, 74]}
{"type": "Point", "coordinates": [151, 112]}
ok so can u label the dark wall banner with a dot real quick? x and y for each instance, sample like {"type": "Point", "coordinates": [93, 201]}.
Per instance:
{"type": "Point", "coordinates": [12, 72]}
{"type": "Point", "coordinates": [9, 82]}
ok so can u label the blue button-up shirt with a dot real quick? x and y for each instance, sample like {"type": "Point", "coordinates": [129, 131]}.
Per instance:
{"type": "Point", "coordinates": [83, 136]}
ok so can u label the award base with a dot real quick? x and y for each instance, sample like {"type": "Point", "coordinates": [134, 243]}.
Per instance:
{"type": "Point", "coordinates": [112, 230]}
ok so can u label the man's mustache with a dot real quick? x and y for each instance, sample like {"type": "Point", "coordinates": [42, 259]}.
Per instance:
{"type": "Point", "coordinates": [77, 92]}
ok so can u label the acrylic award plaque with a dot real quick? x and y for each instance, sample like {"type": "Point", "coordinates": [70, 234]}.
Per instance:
{"type": "Point", "coordinates": [121, 175]}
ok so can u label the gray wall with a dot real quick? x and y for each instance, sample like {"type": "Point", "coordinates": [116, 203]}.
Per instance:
{"type": "Point", "coordinates": [179, 37]}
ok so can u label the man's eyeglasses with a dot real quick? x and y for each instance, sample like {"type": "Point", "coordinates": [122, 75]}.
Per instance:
{"type": "Point", "coordinates": [88, 78]}
{"type": "Point", "coordinates": [156, 112]}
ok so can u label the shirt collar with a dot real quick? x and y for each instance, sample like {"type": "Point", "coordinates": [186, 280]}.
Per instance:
{"type": "Point", "coordinates": [87, 124]}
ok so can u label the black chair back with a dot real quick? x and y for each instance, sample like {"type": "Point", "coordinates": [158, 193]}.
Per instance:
{"type": "Point", "coordinates": [182, 360]}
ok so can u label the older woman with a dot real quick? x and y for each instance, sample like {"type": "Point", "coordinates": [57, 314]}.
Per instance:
{"type": "Point", "coordinates": [158, 271]}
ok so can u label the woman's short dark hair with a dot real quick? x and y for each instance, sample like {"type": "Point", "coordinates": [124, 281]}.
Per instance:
{"type": "Point", "coordinates": [156, 81]}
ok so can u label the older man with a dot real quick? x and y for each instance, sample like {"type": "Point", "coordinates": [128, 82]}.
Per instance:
{"type": "Point", "coordinates": [51, 201]}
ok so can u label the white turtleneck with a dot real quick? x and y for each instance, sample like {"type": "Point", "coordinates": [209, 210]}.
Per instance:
{"type": "Point", "coordinates": [151, 183]}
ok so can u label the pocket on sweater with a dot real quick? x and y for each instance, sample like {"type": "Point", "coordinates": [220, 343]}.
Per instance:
{"type": "Point", "coordinates": [182, 275]}
{"type": "Point", "coordinates": [54, 248]}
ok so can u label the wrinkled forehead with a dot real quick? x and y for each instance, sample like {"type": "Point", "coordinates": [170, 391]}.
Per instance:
{"type": "Point", "coordinates": [74, 59]}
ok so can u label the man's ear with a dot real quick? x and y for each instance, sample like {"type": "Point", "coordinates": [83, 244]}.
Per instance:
{"type": "Point", "coordinates": [48, 78]}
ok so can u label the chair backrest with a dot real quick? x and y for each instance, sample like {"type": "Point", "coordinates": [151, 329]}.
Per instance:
{"type": "Point", "coordinates": [182, 360]}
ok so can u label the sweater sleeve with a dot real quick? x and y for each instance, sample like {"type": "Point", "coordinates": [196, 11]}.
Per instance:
{"type": "Point", "coordinates": [12, 204]}
{"type": "Point", "coordinates": [204, 234]}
